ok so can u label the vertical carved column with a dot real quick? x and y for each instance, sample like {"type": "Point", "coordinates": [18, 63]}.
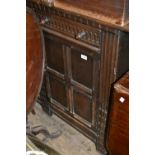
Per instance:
{"type": "Point", "coordinates": [108, 65]}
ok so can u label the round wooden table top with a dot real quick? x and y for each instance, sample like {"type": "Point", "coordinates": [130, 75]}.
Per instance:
{"type": "Point", "coordinates": [34, 59]}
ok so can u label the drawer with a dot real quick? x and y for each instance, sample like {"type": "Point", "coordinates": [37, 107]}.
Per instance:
{"type": "Point", "coordinates": [60, 21]}
{"type": "Point", "coordinates": [75, 30]}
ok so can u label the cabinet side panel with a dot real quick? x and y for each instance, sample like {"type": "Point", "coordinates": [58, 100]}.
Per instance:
{"type": "Point", "coordinates": [123, 54]}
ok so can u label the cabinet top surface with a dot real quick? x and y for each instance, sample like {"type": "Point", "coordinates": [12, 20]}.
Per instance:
{"type": "Point", "coordinates": [107, 12]}
{"type": "Point", "coordinates": [123, 83]}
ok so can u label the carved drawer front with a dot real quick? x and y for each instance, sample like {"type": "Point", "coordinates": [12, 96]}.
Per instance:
{"type": "Point", "coordinates": [62, 22]}
{"type": "Point", "coordinates": [54, 54]}
{"type": "Point", "coordinates": [82, 104]}
{"type": "Point", "coordinates": [75, 30]}
{"type": "Point", "coordinates": [58, 95]}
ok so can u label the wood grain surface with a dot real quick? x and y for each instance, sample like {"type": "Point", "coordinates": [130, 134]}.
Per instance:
{"type": "Point", "coordinates": [118, 132]}
{"type": "Point", "coordinates": [34, 60]}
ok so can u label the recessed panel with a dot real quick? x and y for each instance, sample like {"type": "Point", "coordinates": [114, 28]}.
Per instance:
{"type": "Point", "coordinates": [82, 105]}
{"type": "Point", "coordinates": [54, 55]}
{"type": "Point", "coordinates": [58, 90]}
{"type": "Point", "coordinates": [82, 67]}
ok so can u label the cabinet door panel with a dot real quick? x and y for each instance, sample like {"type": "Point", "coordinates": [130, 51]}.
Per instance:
{"type": "Point", "coordinates": [58, 91]}
{"type": "Point", "coordinates": [54, 54]}
{"type": "Point", "coordinates": [82, 105]}
{"type": "Point", "coordinates": [82, 67]}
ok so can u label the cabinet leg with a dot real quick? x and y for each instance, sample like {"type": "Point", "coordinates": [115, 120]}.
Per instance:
{"type": "Point", "coordinates": [101, 148]}
{"type": "Point", "coordinates": [46, 107]}
{"type": "Point", "coordinates": [47, 110]}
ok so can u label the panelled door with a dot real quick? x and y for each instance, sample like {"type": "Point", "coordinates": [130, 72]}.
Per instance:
{"type": "Point", "coordinates": [72, 79]}
{"type": "Point", "coordinates": [84, 66]}
{"type": "Point", "coordinates": [56, 70]}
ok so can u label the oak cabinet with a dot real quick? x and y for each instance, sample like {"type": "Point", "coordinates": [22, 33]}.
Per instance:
{"type": "Point", "coordinates": [83, 59]}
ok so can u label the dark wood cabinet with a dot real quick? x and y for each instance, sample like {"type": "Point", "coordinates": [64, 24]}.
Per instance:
{"type": "Point", "coordinates": [83, 58]}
